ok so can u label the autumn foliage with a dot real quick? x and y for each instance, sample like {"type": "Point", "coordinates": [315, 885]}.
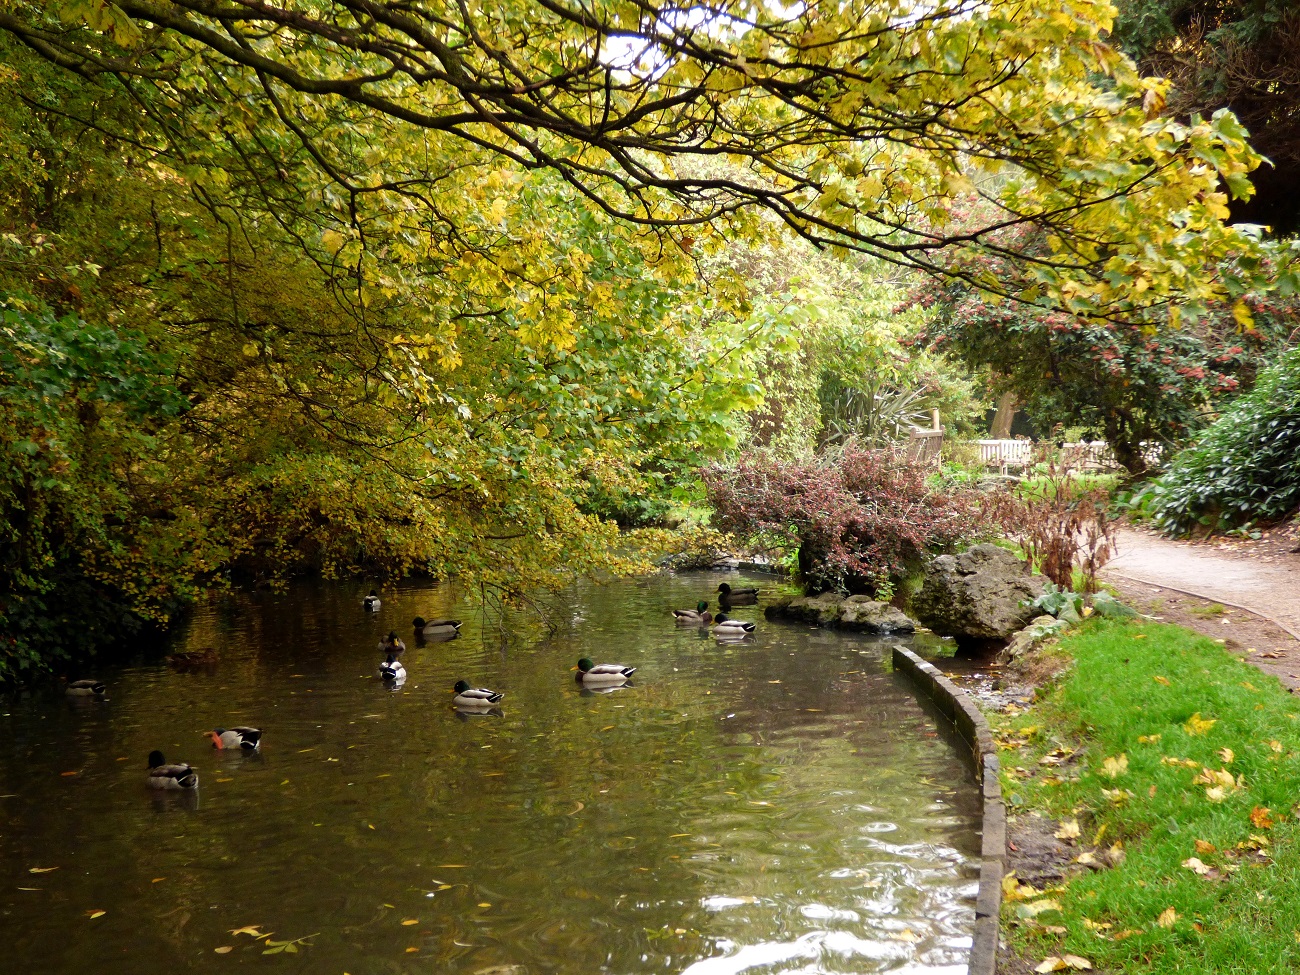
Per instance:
{"type": "Point", "coordinates": [858, 517]}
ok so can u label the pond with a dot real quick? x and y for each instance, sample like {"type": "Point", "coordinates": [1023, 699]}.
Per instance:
{"type": "Point", "coordinates": [782, 805]}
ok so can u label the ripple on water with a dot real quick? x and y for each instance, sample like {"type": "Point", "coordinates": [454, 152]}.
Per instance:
{"type": "Point", "coordinates": [785, 805]}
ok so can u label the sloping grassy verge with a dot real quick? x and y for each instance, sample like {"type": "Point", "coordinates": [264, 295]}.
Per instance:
{"type": "Point", "coordinates": [1180, 765]}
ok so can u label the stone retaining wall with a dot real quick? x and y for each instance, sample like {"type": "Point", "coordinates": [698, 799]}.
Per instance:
{"type": "Point", "coordinates": [959, 708]}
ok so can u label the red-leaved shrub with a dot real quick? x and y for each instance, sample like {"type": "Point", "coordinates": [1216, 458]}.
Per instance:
{"type": "Point", "coordinates": [858, 517]}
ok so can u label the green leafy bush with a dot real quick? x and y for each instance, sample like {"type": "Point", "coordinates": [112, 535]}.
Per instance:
{"type": "Point", "coordinates": [1246, 467]}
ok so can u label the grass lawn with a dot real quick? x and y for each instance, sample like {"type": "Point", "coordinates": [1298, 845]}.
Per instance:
{"type": "Point", "coordinates": [1181, 765]}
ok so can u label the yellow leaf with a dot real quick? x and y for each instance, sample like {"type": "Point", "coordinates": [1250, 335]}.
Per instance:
{"type": "Point", "coordinates": [1086, 858]}
{"type": "Point", "coordinates": [1241, 312]}
{"type": "Point", "coordinates": [42, 869]}
{"type": "Point", "coordinates": [1227, 755]}
{"type": "Point", "coordinates": [1195, 865]}
{"type": "Point", "coordinates": [907, 934]}
{"type": "Point", "coordinates": [1114, 767]}
{"type": "Point", "coordinates": [1196, 725]}
{"type": "Point", "coordinates": [1077, 963]}
{"type": "Point", "coordinates": [1204, 846]}
{"type": "Point", "coordinates": [411, 950]}
{"type": "Point", "coordinates": [1069, 830]}
{"type": "Point", "coordinates": [1148, 739]}
{"type": "Point", "coordinates": [1052, 964]}
{"type": "Point", "coordinates": [484, 904]}
{"type": "Point", "coordinates": [1161, 680]}
{"type": "Point", "coordinates": [1167, 918]}
{"type": "Point", "coordinates": [95, 914]}
{"type": "Point", "coordinates": [411, 920]}
{"type": "Point", "coordinates": [253, 930]}
{"type": "Point", "coordinates": [224, 949]}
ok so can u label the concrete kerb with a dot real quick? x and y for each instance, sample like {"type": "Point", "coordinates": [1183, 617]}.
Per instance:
{"type": "Point", "coordinates": [958, 706]}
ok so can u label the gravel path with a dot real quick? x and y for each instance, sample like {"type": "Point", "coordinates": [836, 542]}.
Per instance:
{"type": "Point", "coordinates": [1268, 585]}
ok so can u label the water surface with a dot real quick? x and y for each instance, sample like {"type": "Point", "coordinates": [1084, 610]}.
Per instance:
{"type": "Point", "coordinates": [785, 805]}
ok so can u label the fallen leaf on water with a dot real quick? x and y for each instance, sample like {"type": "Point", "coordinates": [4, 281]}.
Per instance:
{"type": "Point", "coordinates": [411, 920]}
{"type": "Point", "coordinates": [68, 773]}
{"type": "Point", "coordinates": [452, 866]}
{"type": "Point", "coordinates": [1196, 725]}
{"type": "Point", "coordinates": [578, 808]}
{"type": "Point", "coordinates": [774, 682]}
{"type": "Point", "coordinates": [157, 880]}
{"type": "Point", "coordinates": [412, 950]}
{"type": "Point", "coordinates": [1195, 865]}
{"type": "Point", "coordinates": [95, 914]}
{"type": "Point", "coordinates": [484, 904]}
{"type": "Point", "coordinates": [252, 930]}
{"type": "Point", "coordinates": [285, 782]}
{"type": "Point", "coordinates": [608, 727]}
{"type": "Point", "coordinates": [42, 869]}
{"type": "Point", "coordinates": [678, 836]}
{"type": "Point", "coordinates": [1167, 918]}
{"type": "Point", "coordinates": [369, 826]}
{"type": "Point", "coordinates": [907, 934]}
{"type": "Point", "coordinates": [1115, 766]}
{"type": "Point", "coordinates": [225, 780]}
{"type": "Point", "coordinates": [224, 949]}
{"type": "Point", "coordinates": [31, 888]}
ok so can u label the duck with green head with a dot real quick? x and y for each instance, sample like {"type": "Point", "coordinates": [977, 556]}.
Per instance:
{"type": "Point", "coordinates": [699, 616]}
{"type": "Point", "coordinates": [593, 674]}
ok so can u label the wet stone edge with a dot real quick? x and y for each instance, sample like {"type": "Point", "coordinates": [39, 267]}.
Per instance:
{"type": "Point", "coordinates": [960, 708]}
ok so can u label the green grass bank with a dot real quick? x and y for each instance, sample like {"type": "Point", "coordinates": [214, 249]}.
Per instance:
{"type": "Point", "coordinates": [1172, 770]}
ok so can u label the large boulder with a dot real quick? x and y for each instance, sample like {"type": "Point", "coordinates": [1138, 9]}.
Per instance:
{"type": "Point", "coordinates": [983, 594]}
{"type": "Point", "coordinates": [860, 614]}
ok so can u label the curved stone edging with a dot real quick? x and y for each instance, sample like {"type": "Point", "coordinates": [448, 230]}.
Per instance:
{"type": "Point", "coordinates": [958, 707]}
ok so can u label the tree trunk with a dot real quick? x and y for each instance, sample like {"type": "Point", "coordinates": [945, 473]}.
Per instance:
{"type": "Point", "coordinates": [1001, 429]}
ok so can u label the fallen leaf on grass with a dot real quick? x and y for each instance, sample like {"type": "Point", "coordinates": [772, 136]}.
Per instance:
{"type": "Point", "coordinates": [1148, 739]}
{"type": "Point", "coordinates": [1117, 796]}
{"type": "Point", "coordinates": [1161, 680]}
{"type": "Point", "coordinates": [1037, 907]}
{"type": "Point", "coordinates": [1261, 817]}
{"type": "Point", "coordinates": [1203, 846]}
{"type": "Point", "coordinates": [1185, 762]}
{"type": "Point", "coordinates": [1197, 867]}
{"type": "Point", "coordinates": [1086, 858]}
{"type": "Point", "coordinates": [1014, 890]}
{"type": "Point", "coordinates": [1167, 918]}
{"type": "Point", "coordinates": [1127, 933]}
{"type": "Point", "coordinates": [1056, 756]}
{"type": "Point", "coordinates": [1196, 725]}
{"type": "Point", "coordinates": [1115, 766]}
{"type": "Point", "coordinates": [1227, 754]}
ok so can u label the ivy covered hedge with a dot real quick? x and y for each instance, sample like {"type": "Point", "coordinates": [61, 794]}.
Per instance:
{"type": "Point", "coordinates": [1246, 467]}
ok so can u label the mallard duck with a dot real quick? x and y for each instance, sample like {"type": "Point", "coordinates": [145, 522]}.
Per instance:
{"type": "Point", "coordinates": [392, 669]}
{"type": "Point", "coordinates": [164, 776]}
{"type": "Point", "coordinates": [245, 739]}
{"type": "Point", "coordinates": [474, 697]}
{"type": "Point", "coordinates": [745, 596]}
{"type": "Point", "coordinates": [589, 673]}
{"type": "Point", "coordinates": [435, 628]}
{"type": "Point", "coordinates": [86, 688]}
{"type": "Point", "coordinates": [724, 625]}
{"type": "Point", "coordinates": [371, 602]}
{"type": "Point", "coordinates": [699, 616]}
{"type": "Point", "coordinates": [391, 645]}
